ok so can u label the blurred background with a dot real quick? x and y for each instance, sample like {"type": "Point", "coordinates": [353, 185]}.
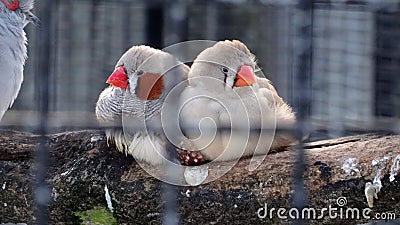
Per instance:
{"type": "Point", "coordinates": [352, 83]}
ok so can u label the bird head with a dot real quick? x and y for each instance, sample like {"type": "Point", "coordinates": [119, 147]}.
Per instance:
{"type": "Point", "coordinates": [22, 8]}
{"type": "Point", "coordinates": [145, 72]}
{"type": "Point", "coordinates": [228, 61]}
{"type": "Point", "coordinates": [146, 85]}
{"type": "Point", "coordinates": [130, 74]}
{"type": "Point", "coordinates": [139, 85]}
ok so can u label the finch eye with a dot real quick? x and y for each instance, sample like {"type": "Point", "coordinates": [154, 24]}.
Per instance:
{"type": "Point", "coordinates": [224, 69]}
{"type": "Point", "coordinates": [140, 73]}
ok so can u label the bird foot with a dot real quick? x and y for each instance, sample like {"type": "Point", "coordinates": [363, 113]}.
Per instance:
{"type": "Point", "coordinates": [191, 158]}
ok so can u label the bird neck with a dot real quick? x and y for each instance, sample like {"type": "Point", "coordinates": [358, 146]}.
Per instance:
{"type": "Point", "coordinates": [12, 18]}
{"type": "Point", "coordinates": [134, 106]}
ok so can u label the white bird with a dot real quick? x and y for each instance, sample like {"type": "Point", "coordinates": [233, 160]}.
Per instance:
{"type": "Point", "coordinates": [223, 92]}
{"type": "Point", "coordinates": [14, 16]}
{"type": "Point", "coordinates": [142, 78]}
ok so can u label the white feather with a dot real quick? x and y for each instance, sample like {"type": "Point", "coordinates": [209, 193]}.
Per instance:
{"type": "Point", "coordinates": [12, 55]}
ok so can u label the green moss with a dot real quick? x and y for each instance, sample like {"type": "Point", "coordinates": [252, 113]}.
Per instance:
{"type": "Point", "coordinates": [97, 216]}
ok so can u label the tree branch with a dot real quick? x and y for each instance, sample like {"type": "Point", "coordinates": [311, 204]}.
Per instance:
{"type": "Point", "coordinates": [81, 164]}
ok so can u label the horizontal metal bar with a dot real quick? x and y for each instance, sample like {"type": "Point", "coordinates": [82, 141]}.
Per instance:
{"type": "Point", "coordinates": [87, 120]}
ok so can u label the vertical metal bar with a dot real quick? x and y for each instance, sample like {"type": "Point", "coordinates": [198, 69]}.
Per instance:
{"type": "Point", "coordinates": [42, 190]}
{"type": "Point", "coordinates": [175, 30]}
{"type": "Point", "coordinates": [176, 25]}
{"type": "Point", "coordinates": [126, 35]}
{"type": "Point", "coordinates": [154, 25]}
{"type": "Point", "coordinates": [303, 51]}
{"type": "Point", "coordinates": [170, 191]}
{"type": "Point", "coordinates": [211, 17]}
{"type": "Point", "coordinates": [154, 37]}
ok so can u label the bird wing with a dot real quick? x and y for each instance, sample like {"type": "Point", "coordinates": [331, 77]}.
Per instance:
{"type": "Point", "coordinates": [12, 60]}
{"type": "Point", "coordinates": [265, 83]}
{"type": "Point", "coordinates": [284, 113]}
{"type": "Point", "coordinates": [11, 77]}
{"type": "Point", "coordinates": [285, 118]}
{"type": "Point", "coordinates": [199, 119]}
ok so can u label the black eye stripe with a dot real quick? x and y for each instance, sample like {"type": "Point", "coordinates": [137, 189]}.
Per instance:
{"type": "Point", "coordinates": [225, 71]}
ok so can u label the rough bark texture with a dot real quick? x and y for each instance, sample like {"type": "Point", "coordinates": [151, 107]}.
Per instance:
{"type": "Point", "coordinates": [81, 164]}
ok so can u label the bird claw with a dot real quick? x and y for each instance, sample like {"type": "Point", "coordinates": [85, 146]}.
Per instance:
{"type": "Point", "coordinates": [191, 158]}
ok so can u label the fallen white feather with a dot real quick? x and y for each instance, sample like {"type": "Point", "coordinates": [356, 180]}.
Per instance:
{"type": "Point", "coordinates": [196, 175]}
{"type": "Point", "coordinates": [108, 199]}
{"type": "Point", "coordinates": [350, 166]}
{"type": "Point", "coordinates": [395, 168]}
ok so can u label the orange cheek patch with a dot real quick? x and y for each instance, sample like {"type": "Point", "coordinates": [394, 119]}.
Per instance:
{"type": "Point", "coordinates": [150, 86]}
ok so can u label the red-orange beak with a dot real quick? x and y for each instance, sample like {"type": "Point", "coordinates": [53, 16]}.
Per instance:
{"type": "Point", "coordinates": [14, 5]}
{"type": "Point", "coordinates": [118, 78]}
{"type": "Point", "coordinates": [245, 76]}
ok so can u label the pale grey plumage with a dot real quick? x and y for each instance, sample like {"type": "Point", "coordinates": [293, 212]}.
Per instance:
{"type": "Point", "coordinates": [213, 74]}
{"type": "Point", "coordinates": [13, 52]}
{"type": "Point", "coordinates": [116, 104]}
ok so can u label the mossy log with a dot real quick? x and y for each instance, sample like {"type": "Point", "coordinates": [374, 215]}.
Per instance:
{"type": "Point", "coordinates": [81, 164]}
